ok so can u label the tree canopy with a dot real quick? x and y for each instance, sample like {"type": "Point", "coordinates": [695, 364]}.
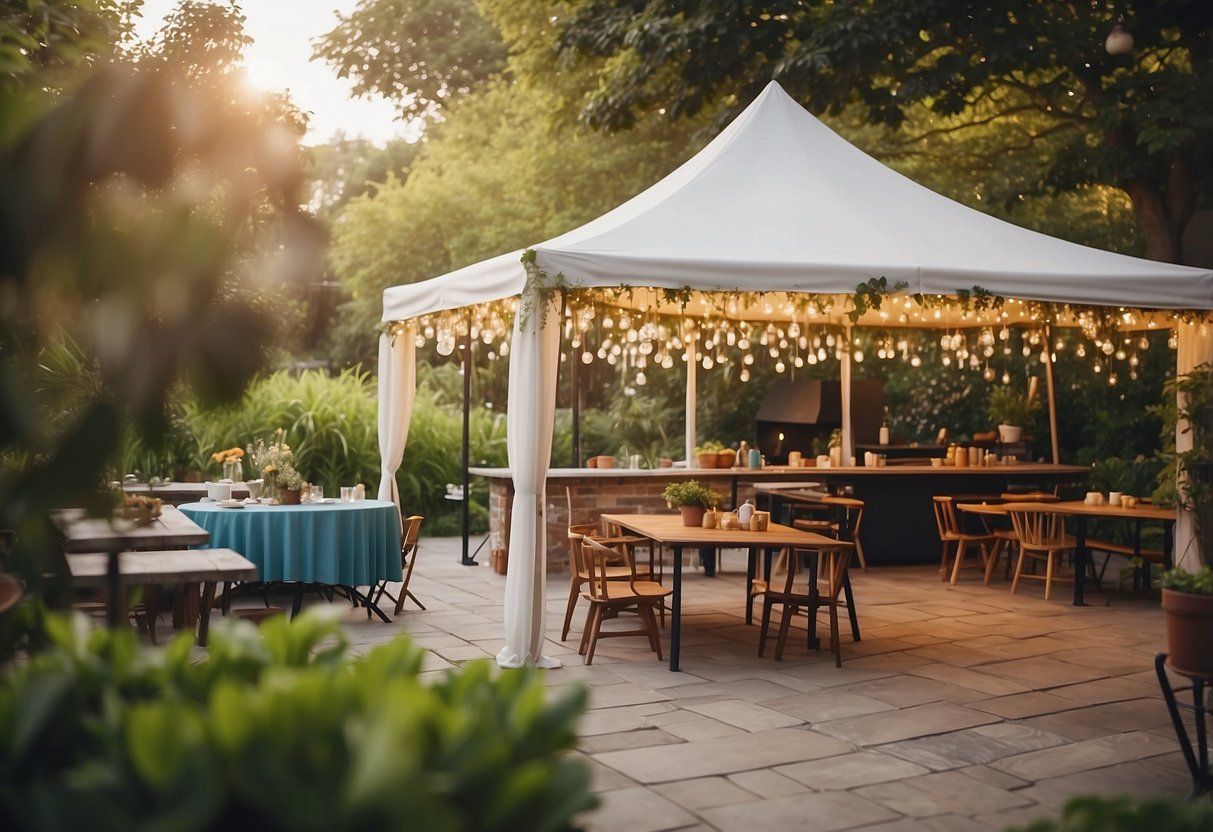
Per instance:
{"type": "Point", "coordinates": [1036, 70]}
{"type": "Point", "coordinates": [420, 54]}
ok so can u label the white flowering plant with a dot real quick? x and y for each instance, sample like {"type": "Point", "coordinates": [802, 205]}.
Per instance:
{"type": "Point", "coordinates": [275, 461]}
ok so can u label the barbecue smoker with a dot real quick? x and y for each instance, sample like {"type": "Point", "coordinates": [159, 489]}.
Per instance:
{"type": "Point", "coordinates": [803, 411]}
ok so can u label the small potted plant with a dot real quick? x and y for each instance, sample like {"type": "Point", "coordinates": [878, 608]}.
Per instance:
{"type": "Point", "coordinates": [1012, 412]}
{"type": "Point", "coordinates": [708, 454]}
{"type": "Point", "coordinates": [1187, 597]}
{"type": "Point", "coordinates": [692, 499]}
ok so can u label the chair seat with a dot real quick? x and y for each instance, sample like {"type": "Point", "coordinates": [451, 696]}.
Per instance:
{"type": "Point", "coordinates": [621, 590]}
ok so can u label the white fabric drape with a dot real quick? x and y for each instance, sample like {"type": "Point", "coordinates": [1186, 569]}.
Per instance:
{"type": "Point", "coordinates": [844, 369]}
{"type": "Point", "coordinates": [397, 389]}
{"type": "Point", "coordinates": [534, 355]}
{"type": "Point", "coordinates": [689, 344]}
{"type": "Point", "coordinates": [1195, 348]}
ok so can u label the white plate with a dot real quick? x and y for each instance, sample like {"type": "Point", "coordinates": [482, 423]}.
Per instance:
{"type": "Point", "coordinates": [231, 504]}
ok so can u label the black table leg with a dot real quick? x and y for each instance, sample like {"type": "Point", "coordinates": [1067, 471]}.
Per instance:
{"type": "Point", "coordinates": [814, 558]}
{"type": "Point", "coordinates": [846, 589]}
{"type": "Point", "coordinates": [751, 568]}
{"type": "Point", "coordinates": [1082, 557]}
{"type": "Point", "coordinates": [676, 611]}
{"type": "Point", "coordinates": [707, 557]}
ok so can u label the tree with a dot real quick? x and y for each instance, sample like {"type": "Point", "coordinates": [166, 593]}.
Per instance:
{"type": "Point", "coordinates": [420, 54]}
{"type": "Point", "coordinates": [1037, 69]}
{"type": "Point", "coordinates": [345, 169]}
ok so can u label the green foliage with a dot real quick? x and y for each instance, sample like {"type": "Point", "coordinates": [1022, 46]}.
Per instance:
{"type": "Point", "coordinates": [1122, 813]}
{"type": "Point", "coordinates": [690, 493]}
{"type": "Point", "coordinates": [278, 729]}
{"type": "Point", "coordinates": [1199, 582]}
{"type": "Point", "coordinates": [1187, 478]}
{"type": "Point", "coordinates": [418, 53]}
{"type": "Point", "coordinates": [1007, 407]}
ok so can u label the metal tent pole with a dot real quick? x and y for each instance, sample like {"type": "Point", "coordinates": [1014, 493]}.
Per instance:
{"type": "Point", "coordinates": [467, 560]}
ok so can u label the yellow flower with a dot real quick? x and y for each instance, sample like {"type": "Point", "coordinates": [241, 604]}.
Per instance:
{"type": "Point", "coordinates": [217, 456]}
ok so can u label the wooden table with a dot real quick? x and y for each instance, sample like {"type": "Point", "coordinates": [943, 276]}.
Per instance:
{"type": "Point", "coordinates": [110, 536]}
{"type": "Point", "coordinates": [667, 529]}
{"type": "Point", "coordinates": [207, 567]}
{"type": "Point", "coordinates": [1081, 511]}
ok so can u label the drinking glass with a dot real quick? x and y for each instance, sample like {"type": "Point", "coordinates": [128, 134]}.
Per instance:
{"type": "Point", "coordinates": [317, 493]}
{"type": "Point", "coordinates": [347, 493]}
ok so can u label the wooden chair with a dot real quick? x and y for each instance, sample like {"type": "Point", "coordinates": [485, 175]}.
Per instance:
{"type": "Point", "coordinates": [1004, 536]}
{"type": "Point", "coordinates": [952, 536]}
{"type": "Point", "coordinates": [609, 596]}
{"type": "Point", "coordinates": [1042, 536]}
{"type": "Point", "coordinates": [408, 558]}
{"type": "Point", "coordinates": [831, 570]}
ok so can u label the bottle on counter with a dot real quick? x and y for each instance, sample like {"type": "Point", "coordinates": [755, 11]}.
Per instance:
{"type": "Point", "coordinates": [743, 455]}
{"type": "Point", "coordinates": [744, 513]}
{"type": "Point", "coordinates": [884, 428]}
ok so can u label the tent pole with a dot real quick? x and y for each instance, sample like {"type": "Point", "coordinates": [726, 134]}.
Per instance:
{"type": "Point", "coordinates": [848, 438]}
{"type": "Point", "coordinates": [575, 394]}
{"type": "Point", "coordinates": [467, 560]}
{"type": "Point", "coordinates": [688, 343]}
{"type": "Point", "coordinates": [1052, 394]}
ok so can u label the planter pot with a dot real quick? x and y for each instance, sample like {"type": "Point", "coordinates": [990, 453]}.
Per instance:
{"type": "Point", "coordinates": [1009, 434]}
{"type": "Point", "coordinates": [725, 459]}
{"type": "Point", "coordinates": [605, 461]}
{"type": "Point", "coordinates": [1189, 620]}
{"type": "Point", "coordinates": [692, 515]}
{"type": "Point", "coordinates": [706, 460]}
{"type": "Point", "coordinates": [289, 496]}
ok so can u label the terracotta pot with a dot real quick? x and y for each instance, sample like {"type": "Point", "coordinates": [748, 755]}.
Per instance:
{"type": "Point", "coordinates": [592, 462]}
{"type": "Point", "coordinates": [606, 461]}
{"type": "Point", "coordinates": [1189, 621]}
{"type": "Point", "coordinates": [725, 459]}
{"type": "Point", "coordinates": [706, 460]}
{"type": "Point", "coordinates": [692, 515]}
{"type": "Point", "coordinates": [289, 496]}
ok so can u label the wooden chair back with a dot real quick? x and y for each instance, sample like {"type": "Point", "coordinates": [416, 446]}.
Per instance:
{"type": "Point", "coordinates": [945, 518]}
{"type": "Point", "coordinates": [1038, 528]}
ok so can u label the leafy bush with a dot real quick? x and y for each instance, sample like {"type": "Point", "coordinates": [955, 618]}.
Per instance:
{"type": "Point", "coordinates": [1120, 813]}
{"type": "Point", "coordinates": [278, 731]}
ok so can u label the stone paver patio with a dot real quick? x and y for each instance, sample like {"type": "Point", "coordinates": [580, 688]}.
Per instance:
{"type": "Point", "coordinates": [962, 707]}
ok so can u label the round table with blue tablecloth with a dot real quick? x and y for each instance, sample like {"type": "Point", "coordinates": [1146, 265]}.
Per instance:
{"type": "Point", "coordinates": [343, 544]}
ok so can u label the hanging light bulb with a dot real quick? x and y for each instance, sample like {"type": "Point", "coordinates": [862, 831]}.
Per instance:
{"type": "Point", "coordinates": [641, 379]}
{"type": "Point", "coordinates": [916, 361]}
{"type": "Point", "coordinates": [745, 374]}
{"type": "Point", "coordinates": [988, 373]}
{"type": "Point", "coordinates": [1006, 378]}
{"type": "Point", "coordinates": [1119, 41]}
{"type": "Point", "coordinates": [1081, 352]}
{"type": "Point", "coordinates": [780, 366]}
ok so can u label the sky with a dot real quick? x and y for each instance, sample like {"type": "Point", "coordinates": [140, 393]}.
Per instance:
{"type": "Point", "coordinates": [278, 59]}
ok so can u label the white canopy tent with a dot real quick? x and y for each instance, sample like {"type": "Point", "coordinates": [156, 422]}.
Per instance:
{"type": "Point", "coordinates": [776, 203]}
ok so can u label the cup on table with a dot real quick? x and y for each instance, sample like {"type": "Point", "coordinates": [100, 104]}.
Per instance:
{"type": "Point", "coordinates": [794, 458]}
{"type": "Point", "coordinates": [1093, 498]}
{"type": "Point", "coordinates": [347, 493]}
{"type": "Point", "coordinates": [1127, 501]}
{"type": "Point", "coordinates": [317, 493]}
{"type": "Point", "coordinates": [1114, 498]}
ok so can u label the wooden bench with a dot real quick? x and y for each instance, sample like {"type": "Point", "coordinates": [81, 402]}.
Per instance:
{"type": "Point", "coordinates": [185, 567]}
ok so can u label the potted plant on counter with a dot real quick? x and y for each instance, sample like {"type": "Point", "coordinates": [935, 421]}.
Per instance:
{"type": "Point", "coordinates": [1012, 412]}
{"type": "Point", "coordinates": [692, 499]}
{"type": "Point", "coordinates": [1187, 597]}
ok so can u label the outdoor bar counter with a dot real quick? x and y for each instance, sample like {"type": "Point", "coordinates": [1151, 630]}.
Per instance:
{"type": "Point", "coordinates": [898, 526]}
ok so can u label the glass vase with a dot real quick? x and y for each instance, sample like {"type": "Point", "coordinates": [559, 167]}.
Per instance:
{"type": "Point", "coordinates": [233, 471]}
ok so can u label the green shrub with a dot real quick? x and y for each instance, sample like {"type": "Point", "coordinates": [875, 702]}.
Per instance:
{"type": "Point", "coordinates": [278, 730]}
{"type": "Point", "coordinates": [1090, 813]}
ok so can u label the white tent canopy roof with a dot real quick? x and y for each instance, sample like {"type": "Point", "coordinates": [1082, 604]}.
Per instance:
{"type": "Point", "coordinates": [779, 202]}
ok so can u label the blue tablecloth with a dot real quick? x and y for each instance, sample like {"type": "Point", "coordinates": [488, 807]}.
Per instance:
{"type": "Point", "coordinates": [349, 544]}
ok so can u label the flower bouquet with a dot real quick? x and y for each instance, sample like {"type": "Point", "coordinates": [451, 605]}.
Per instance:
{"type": "Point", "coordinates": [274, 462]}
{"type": "Point", "coordinates": [231, 460]}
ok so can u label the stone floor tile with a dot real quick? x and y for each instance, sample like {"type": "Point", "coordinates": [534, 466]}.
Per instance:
{"type": "Point", "coordinates": [826, 705]}
{"type": "Point", "coordinates": [702, 728]}
{"type": "Point", "coordinates": [973, 679]}
{"type": "Point", "coordinates": [750, 690]}
{"type": "Point", "coordinates": [603, 778]}
{"type": "Point", "coordinates": [938, 823]}
{"type": "Point", "coordinates": [1107, 690]}
{"type": "Point", "coordinates": [612, 696]}
{"type": "Point", "coordinates": [722, 755]}
{"type": "Point", "coordinates": [1020, 705]}
{"type": "Point", "coordinates": [1109, 718]}
{"type": "Point", "coordinates": [994, 777]}
{"type": "Point", "coordinates": [906, 691]}
{"type": "Point", "coordinates": [891, 726]}
{"type": "Point", "coordinates": [705, 793]}
{"type": "Point", "coordinates": [941, 793]}
{"type": "Point", "coordinates": [1044, 672]}
{"type": "Point", "coordinates": [847, 771]}
{"type": "Point", "coordinates": [1084, 756]}
{"type": "Point", "coordinates": [638, 738]}
{"type": "Point", "coordinates": [809, 812]}
{"type": "Point", "coordinates": [636, 810]}
{"type": "Point", "coordinates": [975, 746]}
{"type": "Point", "coordinates": [745, 715]}
{"type": "Point", "coordinates": [766, 782]}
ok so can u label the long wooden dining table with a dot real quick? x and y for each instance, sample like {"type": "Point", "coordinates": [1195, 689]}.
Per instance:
{"type": "Point", "coordinates": [1081, 511]}
{"type": "Point", "coordinates": [668, 530]}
